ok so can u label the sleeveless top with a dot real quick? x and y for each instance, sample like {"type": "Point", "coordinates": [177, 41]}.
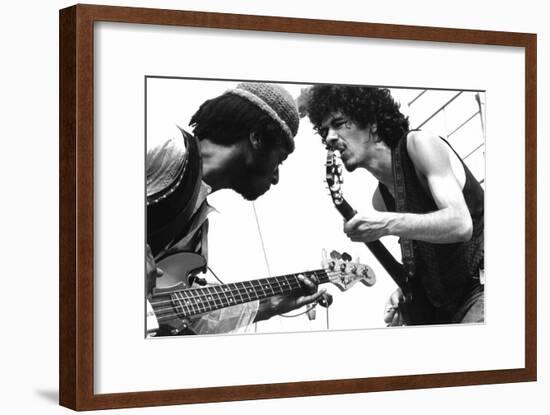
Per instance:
{"type": "Point", "coordinates": [448, 271]}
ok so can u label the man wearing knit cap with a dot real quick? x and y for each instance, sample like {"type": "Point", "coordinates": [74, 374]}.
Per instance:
{"type": "Point", "coordinates": [239, 140]}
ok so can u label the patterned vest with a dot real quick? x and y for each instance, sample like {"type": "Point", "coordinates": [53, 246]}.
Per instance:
{"type": "Point", "coordinates": [174, 173]}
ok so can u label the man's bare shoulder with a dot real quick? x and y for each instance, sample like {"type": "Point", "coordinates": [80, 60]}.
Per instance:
{"type": "Point", "coordinates": [427, 151]}
{"type": "Point", "coordinates": [421, 140]}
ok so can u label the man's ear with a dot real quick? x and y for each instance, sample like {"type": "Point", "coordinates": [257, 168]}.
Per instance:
{"type": "Point", "coordinates": [255, 141]}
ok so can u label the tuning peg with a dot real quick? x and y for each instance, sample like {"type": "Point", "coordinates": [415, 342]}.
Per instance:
{"type": "Point", "coordinates": [346, 257]}
{"type": "Point", "coordinates": [370, 278]}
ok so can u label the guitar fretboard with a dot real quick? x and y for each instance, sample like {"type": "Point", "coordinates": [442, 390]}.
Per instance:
{"type": "Point", "coordinates": [194, 301]}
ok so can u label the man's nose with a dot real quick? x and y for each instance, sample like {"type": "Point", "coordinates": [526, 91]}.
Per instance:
{"type": "Point", "coordinates": [332, 138]}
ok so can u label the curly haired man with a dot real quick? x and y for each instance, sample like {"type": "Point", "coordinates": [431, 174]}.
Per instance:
{"type": "Point", "coordinates": [438, 211]}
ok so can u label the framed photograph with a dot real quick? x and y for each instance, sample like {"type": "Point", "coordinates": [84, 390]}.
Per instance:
{"type": "Point", "coordinates": [256, 207]}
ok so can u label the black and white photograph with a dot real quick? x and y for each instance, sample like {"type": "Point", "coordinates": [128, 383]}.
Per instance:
{"type": "Point", "coordinates": [278, 207]}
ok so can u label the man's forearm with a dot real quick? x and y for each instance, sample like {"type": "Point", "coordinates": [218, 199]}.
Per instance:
{"type": "Point", "coordinates": [264, 310]}
{"type": "Point", "coordinates": [442, 226]}
{"type": "Point", "coordinates": [272, 306]}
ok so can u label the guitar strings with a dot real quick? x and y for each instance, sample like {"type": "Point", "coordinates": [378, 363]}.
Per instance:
{"type": "Point", "coordinates": [294, 284]}
{"type": "Point", "coordinates": [204, 306]}
{"type": "Point", "coordinates": [171, 313]}
{"type": "Point", "coordinates": [208, 299]}
{"type": "Point", "coordinates": [322, 274]}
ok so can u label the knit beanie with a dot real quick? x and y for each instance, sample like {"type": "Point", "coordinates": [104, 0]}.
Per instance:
{"type": "Point", "coordinates": [275, 101]}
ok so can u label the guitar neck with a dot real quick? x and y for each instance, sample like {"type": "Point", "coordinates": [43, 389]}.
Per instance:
{"type": "Point", "coordinates": [194, 301]}
{"type": "Point", "coordinates": [389, 263]}
{"type": "Point", "coordinates": [380, 252]}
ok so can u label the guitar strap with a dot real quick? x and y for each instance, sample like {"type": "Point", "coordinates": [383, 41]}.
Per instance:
{"type": "Point", "coordinates": [407, 248]}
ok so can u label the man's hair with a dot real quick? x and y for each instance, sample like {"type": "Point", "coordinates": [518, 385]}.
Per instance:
{"type": "Point", "coordinates": [228, 118]}
{"type": "Point", "coordinates": [363, 105]}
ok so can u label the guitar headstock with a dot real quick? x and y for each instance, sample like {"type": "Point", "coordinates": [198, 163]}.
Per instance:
{"type": "Point", "coordinates": [334, 178]}
{"type": "Point", "coordinates": [344, 273]}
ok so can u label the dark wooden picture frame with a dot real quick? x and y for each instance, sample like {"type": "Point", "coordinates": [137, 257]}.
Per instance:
{"type": "Point", "coordinates": [76, 305]}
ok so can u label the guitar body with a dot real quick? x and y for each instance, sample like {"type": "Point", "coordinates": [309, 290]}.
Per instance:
{"type": "Point", "coordinates": [177, 270]}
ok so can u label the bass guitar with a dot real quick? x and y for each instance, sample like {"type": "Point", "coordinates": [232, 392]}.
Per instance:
{"type": "Point", "coordinates": [174, 302]}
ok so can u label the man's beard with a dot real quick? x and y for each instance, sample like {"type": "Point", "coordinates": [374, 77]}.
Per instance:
{"type": "Point", "coordinates": [253, 180]}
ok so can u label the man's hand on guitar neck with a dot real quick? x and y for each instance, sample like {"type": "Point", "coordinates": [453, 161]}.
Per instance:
{"type": "Point", "coordinates": [281, 304]}
{"type": "Point", "coordinates": [368, 227]}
